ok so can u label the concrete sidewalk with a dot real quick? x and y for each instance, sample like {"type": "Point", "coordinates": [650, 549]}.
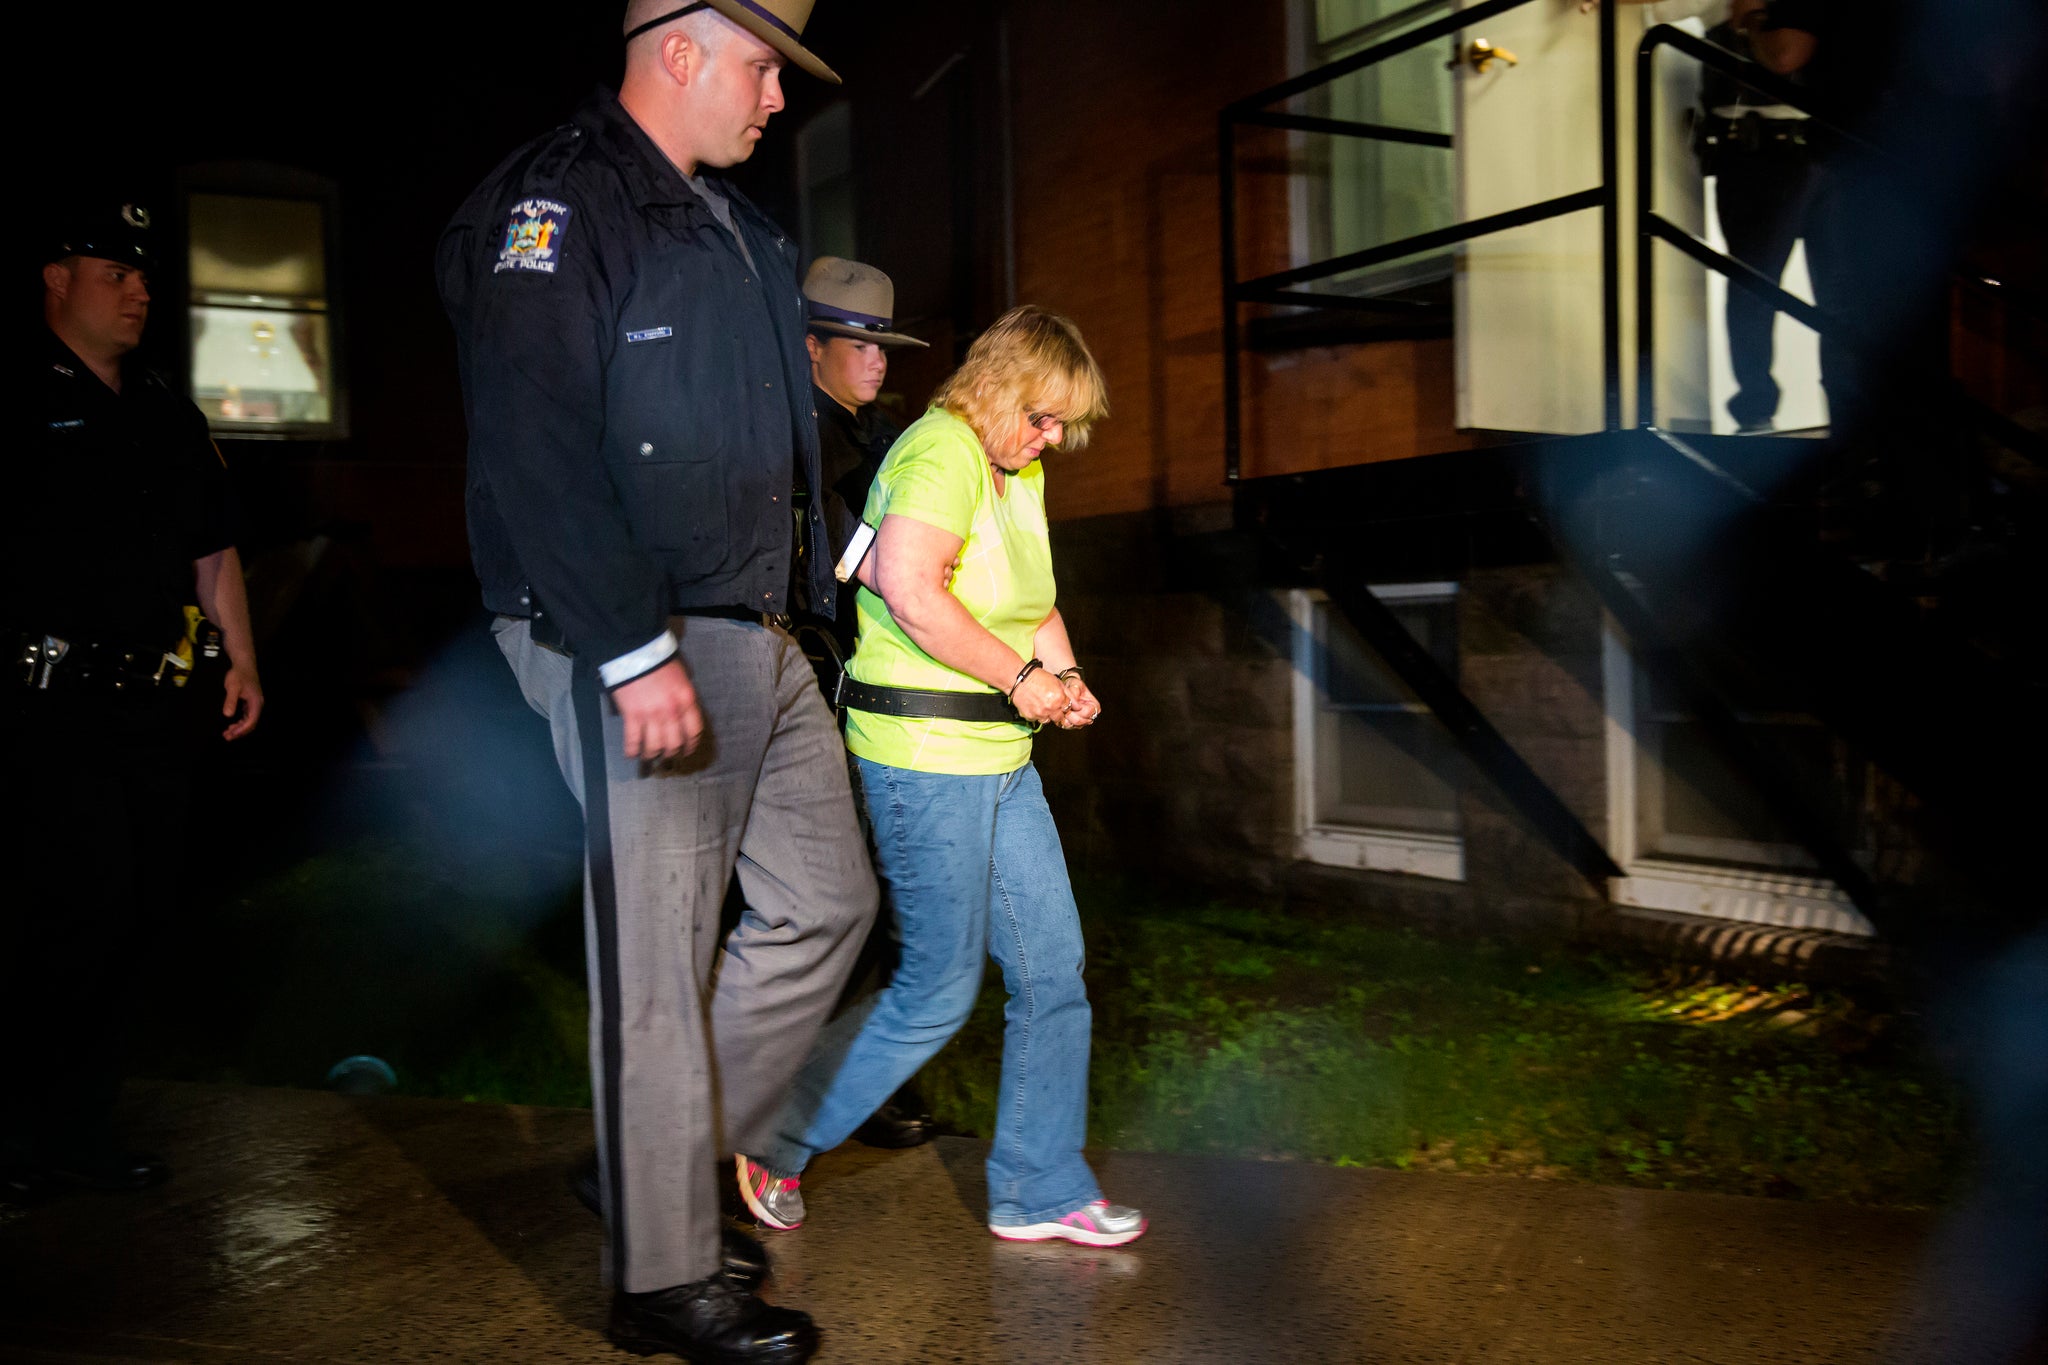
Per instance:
{"type": "Point", "coordinates": [306, 1226]}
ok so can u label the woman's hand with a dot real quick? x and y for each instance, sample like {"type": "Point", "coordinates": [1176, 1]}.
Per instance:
{"type": "Point", "coordinates": [1041, 697]}
{"type": "Point", "coordinates": [1082, 707]}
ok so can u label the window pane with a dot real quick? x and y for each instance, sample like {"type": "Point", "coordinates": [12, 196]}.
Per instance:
{"type": "Point", "coordinates": [1353, 674]}
{"type": "Point", "coordinates": [1385, 770]}
{"type": "Point", "coordinates": [1693, 804]}
{"type": "Point", "coordinates": [251, 250]}
{"type": "Point", "coordinates": [261, 365]}
{"type": "Point", "coordinates": [1370, 192]}
{"type": "Point", "coordinates": [1703, 797]}
{"type": "Point", "coordinates": [1382, 761]}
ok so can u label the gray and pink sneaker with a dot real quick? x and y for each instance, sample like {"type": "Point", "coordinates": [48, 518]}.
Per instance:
{"type": "Point", "coordinates": [773, 1199]}
{"type": "Point", "coordinates": [1100, 1224]}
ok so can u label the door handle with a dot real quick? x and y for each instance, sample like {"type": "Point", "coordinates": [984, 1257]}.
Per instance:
{"type": "Point", "coordinates": [1480, 55]}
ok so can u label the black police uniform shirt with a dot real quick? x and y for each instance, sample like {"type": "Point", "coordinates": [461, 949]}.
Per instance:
{"type": "Point", "coordinates": [1855, 51]}
{"type": "Point", "coordinates": [113, 496]}
{"type": "Point", "coordinates": [637, 392]}
{"type": "Point", "coordinates": [850, 450]}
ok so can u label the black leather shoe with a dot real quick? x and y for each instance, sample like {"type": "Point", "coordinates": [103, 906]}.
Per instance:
{"type": "Point", "coordinates": [897, 1124]}
{"type": "Point", "coordinates": [111, 1170]}
{"type": "Point", "coordinates": [24, 1187]}
{"type": "Point", "coordinates": [710, 1322]}
{"type": "Point", "coordinates": [584, 1183]}
{"type": "Point", "coordinates": [744, 1261]}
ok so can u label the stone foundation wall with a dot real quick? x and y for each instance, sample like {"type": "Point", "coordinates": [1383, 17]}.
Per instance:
{"type": "Point", "coordinates": [1529, 658]}
{"type": "Point", "coordinates": [1189, 778]}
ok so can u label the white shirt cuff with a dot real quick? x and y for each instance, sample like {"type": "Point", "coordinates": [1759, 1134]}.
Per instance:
{"type": "Point", "coordinates": [645, 659]}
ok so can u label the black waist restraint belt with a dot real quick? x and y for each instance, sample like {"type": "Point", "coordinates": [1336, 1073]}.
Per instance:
{"type": "Point", "coordinates": [989, 707]}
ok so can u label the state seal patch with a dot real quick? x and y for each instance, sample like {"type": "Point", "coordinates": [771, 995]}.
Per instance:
{"type": "Point", "coordinates": [533, 236]}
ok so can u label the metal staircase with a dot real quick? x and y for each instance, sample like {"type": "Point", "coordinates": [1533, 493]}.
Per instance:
{"type": "Point", "coordinates": [1733, 564]}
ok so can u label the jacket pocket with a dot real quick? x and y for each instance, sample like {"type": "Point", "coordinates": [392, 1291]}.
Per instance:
{"type": "Point", "coordinates": [675, 505]}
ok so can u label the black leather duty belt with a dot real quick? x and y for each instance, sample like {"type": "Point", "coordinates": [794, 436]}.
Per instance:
{"type": "Point", "coordinates": [548, 635]}
{"type": "Point", "coordinates": [44, 662]}
{"type": "Point", "coordinates": [770, 619]}
{"type": "Point", "coordinates": [988, 707]}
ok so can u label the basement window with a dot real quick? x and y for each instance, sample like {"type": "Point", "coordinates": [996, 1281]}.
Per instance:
{"type": "Point", "coordinates": [1377, 777]}
{"type": "Point", "coordinates": [1693, 834]}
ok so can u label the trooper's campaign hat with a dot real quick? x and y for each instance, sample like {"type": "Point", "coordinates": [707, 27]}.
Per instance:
{"type": "Point", "coordinates": [848, 299]}
{"type": "Point", "coordinates": [110, 232]}
{"type": "Point", "coordinates": [778, 23]}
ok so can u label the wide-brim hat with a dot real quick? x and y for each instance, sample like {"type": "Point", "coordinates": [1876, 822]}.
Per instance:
{"type": "Point", "coordinates": [778, 23]}
{"type": "Point", "coordinates": [850, 299]}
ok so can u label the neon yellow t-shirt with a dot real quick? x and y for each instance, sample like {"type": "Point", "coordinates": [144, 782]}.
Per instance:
{"type": "Point", "coordinates": [936, 473]}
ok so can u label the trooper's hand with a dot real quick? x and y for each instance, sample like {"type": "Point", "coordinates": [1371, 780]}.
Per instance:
{"type": "Point", "coordinates": [660, 711]}
{"type": "Point", "coordinates": [242, 703]}
{"type": "Point", "coordinates": [1040, 697]}
{"type": "Point", "coordinates": [1082, 707]}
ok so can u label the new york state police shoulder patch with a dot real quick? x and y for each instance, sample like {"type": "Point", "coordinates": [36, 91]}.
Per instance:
{"type": "Point", "coordinates": [533, 236]}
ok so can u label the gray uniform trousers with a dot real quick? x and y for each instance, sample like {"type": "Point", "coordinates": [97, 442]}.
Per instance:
{"type": "Point", "coordinates": [693, 1042]}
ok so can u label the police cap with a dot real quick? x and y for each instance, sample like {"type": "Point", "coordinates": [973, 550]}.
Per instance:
{"type": "Point", "coordinates": [110, 232]}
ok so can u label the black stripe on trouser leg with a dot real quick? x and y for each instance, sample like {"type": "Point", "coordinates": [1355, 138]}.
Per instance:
{"type": "Point", "coordinates": [604, 901]}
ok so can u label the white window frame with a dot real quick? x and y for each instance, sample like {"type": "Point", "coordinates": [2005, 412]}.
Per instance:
{"type": "Point", "coordinates": [260, 180]}
{"type": "Point", "coordinates": [1419, 854]}
{"type": "Point", "coordinates": [1781, 899]}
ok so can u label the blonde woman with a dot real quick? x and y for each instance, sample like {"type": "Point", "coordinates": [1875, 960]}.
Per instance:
{"type": "Point", "coordinates": [949, 680]}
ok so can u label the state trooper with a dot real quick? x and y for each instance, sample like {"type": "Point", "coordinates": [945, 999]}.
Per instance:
{"type": "Point", "coordinates": [851, 310]}
{"type": "Point", "coordinates": [130, 653]}
{"type": "Point", "coordinates": [849, 306]}
{"type": "Point", "coordinates": [630, 339]}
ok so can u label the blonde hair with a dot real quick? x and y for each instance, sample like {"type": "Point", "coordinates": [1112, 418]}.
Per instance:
{"type": "Point", "coordinates": [1030, 359]}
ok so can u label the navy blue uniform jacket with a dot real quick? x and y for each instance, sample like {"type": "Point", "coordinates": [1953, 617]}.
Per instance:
{"type": "Point", "coordinates": [637, 393]}
{"type": "Point", "coordinates": [112, 497]}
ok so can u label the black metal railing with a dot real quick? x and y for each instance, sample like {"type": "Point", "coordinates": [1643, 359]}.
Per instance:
{"type": "Point", "coordinates": [1279, 288]}
{"type": "Point", "coordinates": [1653, 227]}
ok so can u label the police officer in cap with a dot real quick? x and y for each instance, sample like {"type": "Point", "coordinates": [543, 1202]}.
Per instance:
{"type": "Point", "coordinates": [849, 307]}
{"type": "Point", "coordinates": [127, 623]}
{"type": "Point", "coordinates": [630, 343]}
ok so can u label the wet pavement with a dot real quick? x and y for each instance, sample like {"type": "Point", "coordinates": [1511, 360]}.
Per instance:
{"type": "Point", "coordinates": [309, 1226]}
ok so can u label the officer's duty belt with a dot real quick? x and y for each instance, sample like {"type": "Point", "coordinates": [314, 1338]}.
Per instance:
{"type": "Point", "coordinates": [545, 632]}
{"type": "Point", "coordinates": [772, 620]}
{"type": "Point", "coordinates": [988, 707]}
{"type": "Point", "coordinates": [1756, 133]}
{"type": "Point", "coordinates": [46, 662]}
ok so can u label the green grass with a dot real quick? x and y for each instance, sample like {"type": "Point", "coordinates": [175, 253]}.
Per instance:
{"type": "Point", "coordinates": [1235, 1031]}
{"type": "Point", "coordinates": [1218, 1029]}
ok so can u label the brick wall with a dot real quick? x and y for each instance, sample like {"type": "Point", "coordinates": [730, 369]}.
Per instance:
{"type": "Point", "coordinates": [1117, 225]}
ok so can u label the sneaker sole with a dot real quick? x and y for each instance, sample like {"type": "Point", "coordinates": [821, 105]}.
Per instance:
{"type": "Point", "coordinates": [755, 1206]}
{"type": "Point", "coordinates": [1066, 1232]}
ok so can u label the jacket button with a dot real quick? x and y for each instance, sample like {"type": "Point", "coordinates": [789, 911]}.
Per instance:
{"type": "Point", "coordinates": [647, 447]}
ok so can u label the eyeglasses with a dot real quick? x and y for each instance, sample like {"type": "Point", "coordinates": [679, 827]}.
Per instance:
{"type": "Point", "coordinates": [1045, 421]}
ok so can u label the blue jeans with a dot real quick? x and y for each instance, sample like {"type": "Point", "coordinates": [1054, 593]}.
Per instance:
{"type": "Point", "coordinates": [969, 865]}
